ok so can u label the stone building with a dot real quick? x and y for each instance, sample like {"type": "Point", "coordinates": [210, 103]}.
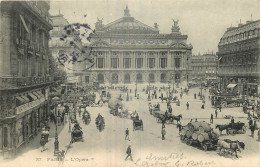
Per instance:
{"type": "Point", "coordinates": [204, 67]}
{"type": "Point", "coordinates": [129, 51]}
{"type": "Point", "coordinates": [24, 74]}
{"type": "Point", "coordinates": [64, 45]}
{"type": "Point", "coordinates": [238, 51]}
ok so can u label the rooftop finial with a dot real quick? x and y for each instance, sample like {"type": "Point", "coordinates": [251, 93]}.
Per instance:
{"type": "Point", "coordinates": [127, 14]}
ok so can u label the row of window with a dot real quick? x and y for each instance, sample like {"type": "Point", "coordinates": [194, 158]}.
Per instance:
{"type": "Point", "coordinates": [241, 36]}
{"type": "Point", "coordinates": [139, 63]}
{"type": "Point", "coordinates": [29, 66]}
{"type": "Point", "coordinates": [28, 31]}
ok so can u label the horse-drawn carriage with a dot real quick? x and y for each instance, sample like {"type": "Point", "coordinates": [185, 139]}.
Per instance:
{"type": "Point", "coordinates": [229, 147]}
{"type": "Point", "coordinates": [100, 123]}
{"type": "Point", "coordinates": [169, 99]}
{"type": "Point", "coordinates": [98, 104]}
{"type": "Point", "coordinates": [138, 124]}
{"type": "Point", "coordinates": [86, 117]}
{"type": "Point", "coordinates": [169, 118]}
{"type": "Point", "coordinates": [199, 134]}
{"type": "Point", "coordinates": [76, 134]}
{"type": "Point", "coordinates": [232, 128]}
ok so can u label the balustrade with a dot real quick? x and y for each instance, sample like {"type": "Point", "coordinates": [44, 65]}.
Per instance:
{"type": "Point", "coordinates": [19, 82]}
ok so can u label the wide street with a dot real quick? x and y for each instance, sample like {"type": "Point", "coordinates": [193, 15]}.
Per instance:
{"type": "Point", "coordinates": [148, 149]}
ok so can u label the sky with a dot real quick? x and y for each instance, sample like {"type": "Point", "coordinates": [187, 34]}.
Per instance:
{"type": "Point", "coordinates": [204, 21]}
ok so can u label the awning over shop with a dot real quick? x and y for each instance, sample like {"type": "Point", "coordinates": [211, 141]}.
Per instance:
{"type": "Point", "coordinates": [36, 94]}
{"type": "Point", "coordinates": [21, 99]}
{"type": "Point", "coordinates": [33, 96]}
{"type": "Point", "coordinates": [231, 85]}
{"type": "Point", "coordinates": [39, 93]}
{"type": "Point", "coordinates": [25, 98]}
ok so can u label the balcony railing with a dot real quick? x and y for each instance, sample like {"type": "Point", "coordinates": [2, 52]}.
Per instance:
{"type": "Point", "coordinates": [20, 82]}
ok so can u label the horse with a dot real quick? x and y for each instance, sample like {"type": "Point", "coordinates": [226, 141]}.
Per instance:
{"type": "Point", "coordinates": [223, 127]}
{"type": "Point", "coordinates": [229, 146]}
{"type": "Point", "coordinates": [164, 98]}
{"type": "Point", "coordinates": [173, 117]}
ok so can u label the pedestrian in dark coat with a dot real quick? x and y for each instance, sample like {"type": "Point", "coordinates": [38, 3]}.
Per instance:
{"type": "Point", "coordinates": [203, 106]}
{"type": "Point", "coordinates": [253, 128]}
{"type": "Point", "coordinates": [179, 126]}
{"type": "Point", "coordinates": [42, 142]}
{"type": "Point", "coordinates": [188, 105]}
{"type": "Point", "coordinates": [211, 118]}
{"type": "Point", "coordinates": [129, 153]}
{"type": "Point", "coordinates": [250, 122]}
{"type": "Point", "coordinates": [127, 134]}
{"type": "Point", "coordinates": [195, 95]}
{"type": "Point", "coordinates": [216, 113]}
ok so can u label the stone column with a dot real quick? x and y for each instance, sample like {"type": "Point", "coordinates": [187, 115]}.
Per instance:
{"type": "Point", "coordinates": [157, 60]}
{"type": "Point", "coordinates": [108, 60]}
{"type": "Point", "coordinates": [169, 60]}
{"type": "Point", "coordinates": [145, 61]}
{"type": "Point", "coordinates": [133, 61]}
{"type": "Point", "coordinates": [121, 57]}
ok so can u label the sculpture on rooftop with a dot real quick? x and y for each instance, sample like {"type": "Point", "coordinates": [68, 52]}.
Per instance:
{"type": "Point", "coordinates": [175, 27]}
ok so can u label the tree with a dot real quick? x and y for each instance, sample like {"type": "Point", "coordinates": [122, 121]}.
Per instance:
{"type": "Point", "coordinates": [58, 74]}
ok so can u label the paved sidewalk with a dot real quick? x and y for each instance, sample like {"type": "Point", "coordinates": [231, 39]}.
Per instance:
{"type": "Point", "coordinates": [32, 155]}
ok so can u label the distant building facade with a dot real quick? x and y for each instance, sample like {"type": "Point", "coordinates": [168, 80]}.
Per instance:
{"type": "Point", "coordinates": [24, 72]}
{"type": "Point", "coordinates": [238, 51]}
{"type": "Point", "coordinates": [64, 45]}
{"type": "Point", "coordinates": [129, 51]}
{"type": "Point", "coordinates": [204, 67]}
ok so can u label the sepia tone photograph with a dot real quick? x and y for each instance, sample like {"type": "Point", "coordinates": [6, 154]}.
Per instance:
{"type": "Point", "coordinates": [130, 83]}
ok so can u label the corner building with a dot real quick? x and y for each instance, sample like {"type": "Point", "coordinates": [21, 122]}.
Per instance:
{"type": "Point", "coordinates": [129, 51]}
{"type": "Point", "coordinates": [24, 73]}
{"type": "Point", "coordinates": [238, 52]}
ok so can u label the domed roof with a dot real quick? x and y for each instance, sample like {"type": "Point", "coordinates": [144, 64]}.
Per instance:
{"type": "Point", "coordinates": [128, 25]}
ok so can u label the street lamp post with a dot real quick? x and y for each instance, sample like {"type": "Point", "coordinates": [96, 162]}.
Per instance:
{"type": "Point", "coordinates": [69, 123]}
{"type": "Point", "coordinates": [201, 91]}
{"type": "Point", "coordinates": [56, 142]}
{"type": "Point", "coordinates": [149, 95]}
{"type": "Point", "coordinates": [135, 87]}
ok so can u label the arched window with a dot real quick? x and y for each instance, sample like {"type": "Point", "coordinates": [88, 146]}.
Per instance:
{"type": "Point", "coordinates": [163, 78]}
{"type": "Point", "coordinates": [127, 78]}
{"type": "Point", "coordinates": [177, 78]}
{"type": "Point", "coordinates": [139, 78]}
{"type": "Point", "coordinates": [100, 78]}
{"type": "Point", "coordinates": [114, 78]}
{"type": "Point", "coordinates": [151, 78]}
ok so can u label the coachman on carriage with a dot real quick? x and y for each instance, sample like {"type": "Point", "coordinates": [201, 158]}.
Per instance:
{"type": "Point", "coordinates": [137, 123]}
{"type": "Point", "coordinates": [86, 117]}
{"type": "Point", "coordinates": [76, 134]}
{"type": "Point", "coordinates": [100, 123]}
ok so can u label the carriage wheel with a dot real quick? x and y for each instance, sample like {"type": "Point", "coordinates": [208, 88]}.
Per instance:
{"type": "Point", "coordinates": [222, 151]}
{"type": "Point", "coordinates": [187, 141]}
{"type": "Point", "coordinates": [224, 104]}
{"type": "Point", "coordinates": [204, 147]}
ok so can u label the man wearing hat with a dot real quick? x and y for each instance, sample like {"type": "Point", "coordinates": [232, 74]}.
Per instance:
{"type": "Point", "coordinates": [128, 152]}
